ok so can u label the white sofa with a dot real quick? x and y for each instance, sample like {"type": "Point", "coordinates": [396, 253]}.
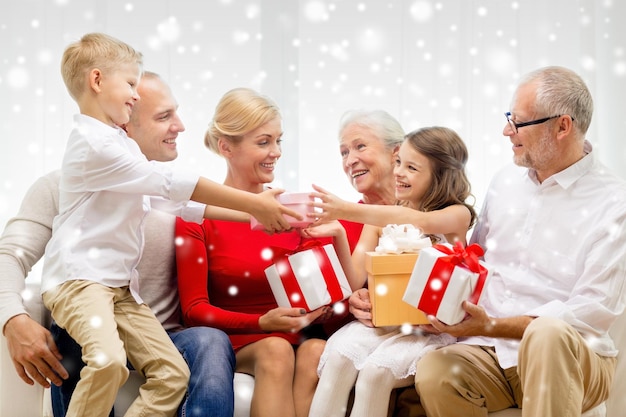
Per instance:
{"type": "Point", "coordinates": [18, 399]}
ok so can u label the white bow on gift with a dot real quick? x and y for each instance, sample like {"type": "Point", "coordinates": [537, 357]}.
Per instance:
{"type": "Point", "coordinates": [402, 238]}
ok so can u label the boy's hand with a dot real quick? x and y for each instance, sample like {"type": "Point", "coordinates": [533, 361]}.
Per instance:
{"type": "Point", "coordinates": [269, 212]}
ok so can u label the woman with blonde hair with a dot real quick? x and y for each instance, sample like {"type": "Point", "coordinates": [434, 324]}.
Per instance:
{"type": "Point", "coordinates": [221, 264]}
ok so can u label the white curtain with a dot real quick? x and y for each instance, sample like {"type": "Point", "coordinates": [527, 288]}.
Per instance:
{"type": "Point", "coordinates": [447, 62]}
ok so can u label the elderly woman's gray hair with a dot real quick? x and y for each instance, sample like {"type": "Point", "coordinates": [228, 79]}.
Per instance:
{"type": "Point", "coordinates": [385, 126]}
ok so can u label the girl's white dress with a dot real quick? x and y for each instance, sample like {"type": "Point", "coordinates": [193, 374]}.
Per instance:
{"type": "Point", "coordinates": [394, 347]}
{"type": "Point", "coordinates": [386, 347]}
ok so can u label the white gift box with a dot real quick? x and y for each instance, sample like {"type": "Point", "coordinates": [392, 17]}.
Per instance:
{"type": "Point", "coordinates": [441, 280]}
{"type": "Point", "coordinates": [308, 279]}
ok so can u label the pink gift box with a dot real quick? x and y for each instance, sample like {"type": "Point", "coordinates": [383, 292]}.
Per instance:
{"type": "Point", "coordinates": [308, 279]}
{"type": "Point", "coordinates": [295, 201]}
{"type": "Point", "coordinates": [443, 277]}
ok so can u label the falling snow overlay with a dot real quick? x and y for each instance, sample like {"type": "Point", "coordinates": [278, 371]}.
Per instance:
{"type": "Point", "coordinates": [427, 62]}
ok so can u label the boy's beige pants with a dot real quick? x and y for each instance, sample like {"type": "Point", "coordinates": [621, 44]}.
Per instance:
{"type": "Point", "coordinates": [111, 326]}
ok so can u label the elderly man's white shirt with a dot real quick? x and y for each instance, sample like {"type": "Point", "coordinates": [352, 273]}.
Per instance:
{"type": "Point", "coordinates": [557, 248]}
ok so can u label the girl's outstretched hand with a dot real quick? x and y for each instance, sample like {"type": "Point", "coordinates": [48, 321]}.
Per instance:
{"type": "Point", "coordinates": [332, 206]}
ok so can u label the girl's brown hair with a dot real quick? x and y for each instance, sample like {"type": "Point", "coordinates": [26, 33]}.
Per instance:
{"type": "Point", "coordinates": [447, 155]}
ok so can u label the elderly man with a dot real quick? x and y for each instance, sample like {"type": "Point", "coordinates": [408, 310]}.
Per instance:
{"type": "Point", "coordinates": [554, 229]}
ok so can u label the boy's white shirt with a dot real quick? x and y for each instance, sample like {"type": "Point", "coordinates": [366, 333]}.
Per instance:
{"type": "Point", "coordinates": [98, 234]}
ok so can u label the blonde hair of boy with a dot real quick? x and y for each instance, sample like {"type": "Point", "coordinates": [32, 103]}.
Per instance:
{"type": "Point", "coordinates": [94, 50]}
{"type": "Point", "coordinates": [238, 112]}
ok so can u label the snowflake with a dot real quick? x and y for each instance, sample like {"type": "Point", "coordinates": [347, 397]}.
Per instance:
{"type": "Point", "coordinates": [169, 30]}
{"type": "Point", "coordinates": [381, 289]}
{"type": "Point", "coordinates": [267, 254]}
{"type": "Point", "coordinates": [421, 11]}
{"type": "Point", "coordinates": [619, 68]}
{"type": "Point", "coordinates": [316, 11]}
{"type": "Point", "coordinates": [95, 322]}
{"type": "Point", "coordinates": [93, 253]}
{"type": "Point", "coordinates": [371, 40]}
{"type": "Point", "coordinates": [101, 358]}
{"type": "Point", "coordinates": [339, 308]}
{"type": "Point", "coordinates": [18, 78]}
{"type": "Point", "coordinates": [588, 63]}
{"type": "Point", "coordinates": [406, 328]}
{"type": "Point", "coordinates": [27, 294]}
{"type": "Point", "coordinates": [295, 297]}
{"type": "Point", "coordinates": [240, 37]}
{"type": "Point", "coordinates": [436, 284]}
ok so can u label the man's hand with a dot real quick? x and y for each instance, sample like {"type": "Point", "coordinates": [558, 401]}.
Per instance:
{"type": "Point", "coordinates": [361, 307]}
{"type": "Point", "coordinates": [33, 352]}
{"type": "Point", "coordinates": [478, 323]}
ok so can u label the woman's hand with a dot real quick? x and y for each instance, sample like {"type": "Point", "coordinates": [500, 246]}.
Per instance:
{"type": "Point", "coordinates": [361, 307]}
{"type": "Point", "coordinates": [327, 313]}
{"type": "Point", "coordinates": [317, 230]}
{"type": "Point", "coordinates": [288, 320]}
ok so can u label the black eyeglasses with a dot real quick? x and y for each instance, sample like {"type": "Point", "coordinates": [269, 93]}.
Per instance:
{"type": "Point", "coordinates": [516, 126]}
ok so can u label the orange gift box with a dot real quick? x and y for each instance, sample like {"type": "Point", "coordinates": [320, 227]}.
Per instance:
{"type": "Point", "coordinates": [387, 278]}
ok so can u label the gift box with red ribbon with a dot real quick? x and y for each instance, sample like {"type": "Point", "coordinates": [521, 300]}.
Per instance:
{"type": "Point", "coordinates": [443, 277]}
{"type": "Point", "coordinates": [308, 279]}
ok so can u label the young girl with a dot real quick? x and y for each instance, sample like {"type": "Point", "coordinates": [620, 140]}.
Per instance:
{"type": "Point", "coordinates": [431, 181]}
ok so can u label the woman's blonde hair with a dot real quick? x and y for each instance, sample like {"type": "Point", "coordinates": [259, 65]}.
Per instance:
{"type": "Point", "coordinates": [448, 155]}
{"type": "Point", "coordinates": [238, 112]}
{"type": "Point", "coordinates": [94, 50]}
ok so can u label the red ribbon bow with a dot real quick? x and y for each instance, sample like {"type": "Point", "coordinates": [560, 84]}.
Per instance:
{"type": "Point", "coordinates": [467, 257]}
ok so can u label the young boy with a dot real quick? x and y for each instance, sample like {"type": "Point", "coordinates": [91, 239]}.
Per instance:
{"type": "Point", "coordinates": [89, 279]}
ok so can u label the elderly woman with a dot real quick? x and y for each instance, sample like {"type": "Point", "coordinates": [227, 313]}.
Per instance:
{"type": "Point", "coordinates": [368, 142]}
